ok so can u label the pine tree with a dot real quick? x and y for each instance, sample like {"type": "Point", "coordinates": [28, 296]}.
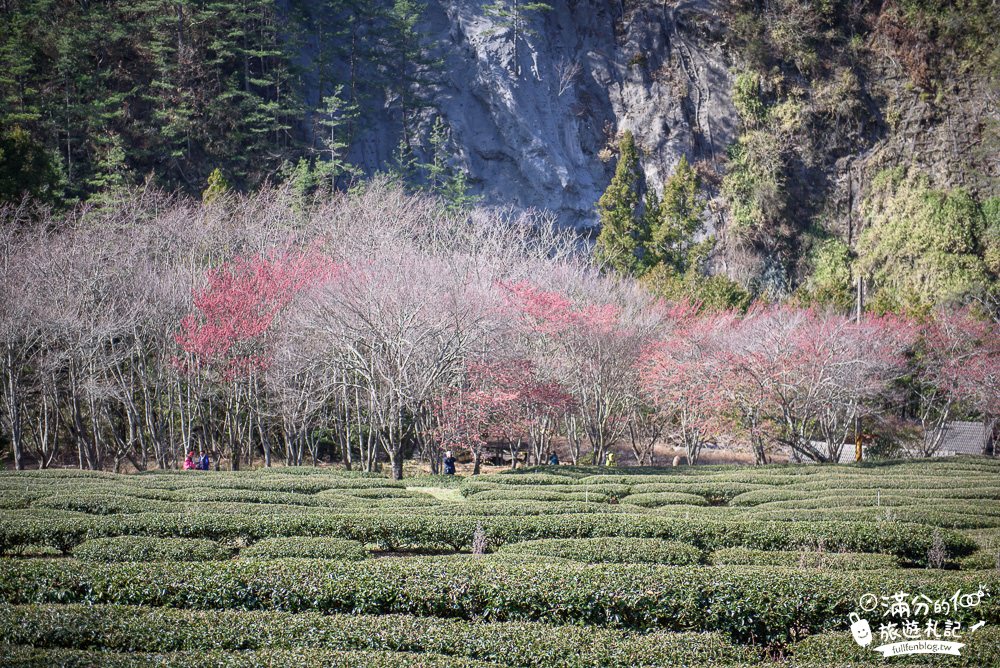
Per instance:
{"type": "Point", "coordinates": [337, 116]}
{"type": "Point", "coordinates": [673, 235]}
{"type": "Point", "coordinates": [652, 211]}
{"type": "Point", "coordinates": [217, 187]}
{"type": "Point", "coordinates": [618, 241]}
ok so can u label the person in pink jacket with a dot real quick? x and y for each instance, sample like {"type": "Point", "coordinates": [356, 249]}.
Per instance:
{"type": "Point", "coordinates": [189, 461]}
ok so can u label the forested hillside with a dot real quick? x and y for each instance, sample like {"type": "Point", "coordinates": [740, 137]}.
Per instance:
{"type": "Point", "coordinates": [800, 147]}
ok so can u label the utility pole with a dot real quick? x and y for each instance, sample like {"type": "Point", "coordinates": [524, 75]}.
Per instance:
{"type": "Point", "coordinates": [857, 319]}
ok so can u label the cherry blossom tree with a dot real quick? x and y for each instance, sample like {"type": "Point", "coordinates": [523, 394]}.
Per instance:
{"type": "Point", "coordinates": [229, 337]}
{"type": "Point", "coordinates": [816, 373]}
{"type": "Point", "coordinates": [591, 345]}
{"type": "Point", "coordinates": [958, 366]}
{"type": "Point", "coordinates": [685, 374]}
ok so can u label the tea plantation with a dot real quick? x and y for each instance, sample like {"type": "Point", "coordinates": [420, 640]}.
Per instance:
{"type": "Point", "coordinates": [703, 566]}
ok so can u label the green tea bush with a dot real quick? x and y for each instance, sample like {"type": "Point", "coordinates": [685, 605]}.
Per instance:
{"type": "Point", "coordinates": [753, 604]}
{"type": "Point", "coordinates": [485, 508]}
{"type": "Point", "coordinates": [103, 504]}
{"type": "Point", "coordinates": [29, 657]}
{"type": "Point", "coordinates": [767, 495]}
{"type": "Point", "coordinates": [837, 648]}
{"type": "Point", "coordinates": [522, 644]}
{"type": "Point", "coordinates": [611, 550]}
{"type": "Point", "coordinates": [656, 499]}
{"type": "Point", "coordinates": [841, 561]}
{"type": "Point", "coordinates": [525, 479]}
{"type": "Point", "coordinates": [538, 495]}
{"type": "Point", "coordinates": [306, 548]}
{"type": "Point", "coordinates": [147, 548]}
{"type": "Point", "coordinates": [910, 515]}
{"type": "Point", "coordinates": [380, 493]}
{"type": "Point", "coordinates": [393, 529]}
{"type": "Point", "coordinates": [983, 560]}
{"type": "Point", "coordinates": [716, 492]}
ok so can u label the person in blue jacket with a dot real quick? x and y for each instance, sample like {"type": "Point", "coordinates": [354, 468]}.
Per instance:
{"type": "Point", "coordinates": [449, 463]}
{"type": "Point", "coordinates": [553, 459]}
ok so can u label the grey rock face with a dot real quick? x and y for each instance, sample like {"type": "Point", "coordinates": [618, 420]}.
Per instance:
{"type": "Point", "coordinates": [531, 119]}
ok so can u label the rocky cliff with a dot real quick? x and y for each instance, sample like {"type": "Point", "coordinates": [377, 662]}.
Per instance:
{"type": "Point", "coordinates": [851, 88]}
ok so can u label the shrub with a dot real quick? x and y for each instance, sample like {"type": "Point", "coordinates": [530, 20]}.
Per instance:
{"type": "Point", "coordinates": [656, 499]}
{"type": "Point", "coordinates": [146, 548]}
{"type": "Point", "coordinates": [380, 493]}
{"type": "Point", "coordinates": [102, 504]}
{"type": "Point", "coordinates": [748, 603]}
{"type": "Point", "coordinates": [838, 648]}
{"type": "Point", "coordinates": [392, 530]}
{"type": "Point", "coordinates": [612, 550]}
{"type": "Point", "coordinates": [842, 561]}
{"type": "Point", "coordinates": [523, 644]}
{"type": "Point", "coordinates": [525, 479]}
{"type": "Point", "coordinates": [538, 495]}
{"type": "Point", "coordinates": [983, 560]}
{"type": "Point", "coordinates": [306, 548]}
{"type": "Point", "coordinates": [25, 657]}
{"type": "Point", "coordinates": [716, 492]}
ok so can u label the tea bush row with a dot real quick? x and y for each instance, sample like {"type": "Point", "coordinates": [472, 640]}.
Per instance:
{"type": "Point", "coordinates": [750, 604]}
{"type": "Point", "coordinates": [841, 561]}
{"type": "Point", "coordinates": [393, 530]}
{"type": "Point", "coordinates": [306, 548]}
{"type": "Point", "coordinates": [522, 644]}
{"type": "Point", "coordinates": [611, 550]}
{"type": "Point", "coordinates": [29, 657]}
{"type": "Point", "coordinates": [146, 548]}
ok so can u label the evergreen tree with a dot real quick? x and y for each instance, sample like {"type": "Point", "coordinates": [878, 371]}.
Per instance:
{"type": "Point", "coordinates": [26, 168]}
{"type": "Point", "coordinates": [336, 118]}
{"type": "Point", "coordinates": [618, 242]}
{"type": "Point", "coordinates": [673, 234]}
{"type": "Point", "coordinates": [217, 187]}
{"type": "Point", "coordinates": [652, 211]}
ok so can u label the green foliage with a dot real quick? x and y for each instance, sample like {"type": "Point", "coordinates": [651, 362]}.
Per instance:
{"type": "Point", "coordinates": [656, 499]}
{"type": "Point", "coordinates": [839, 561]}
{"type": "Point", "coordinates": [830, 282]}
{"type": "Point", "coordinates": [922, 245]}
{"type": "Point", "coordinates": [337, 117]}
{"type": "Point", "coordinates": [145, 548]}
{"type": "Point", "coordinates": [520, 644]}
{"type": "Point", "coordinates": [748, 98]}
{"type": "Point", "coordinates": [217, 187]}
{"type": "Point", "coordinates": [26, 168]}
{"type": "Point", "coordinates": [611, 550]}
{"type": "Point", "coordinates": [25, 657]}
{"type": "Point", "coordinates": [838, 648]}
{"type": "Point", "coordinates": [392, 530]}
{"type": "Point", "coordinates": [618, 242]}
{"type": "Point", "coordinates": [673, 233]}
{"type": "Point", "coordinates": [710, 292]}
{"type": "Point", "coordinates": [120, 92]}
{"type": "Point", "coordinates": [306, 548]}
{"type": "Point", "coordinates": [747, 603]}
{"type": "Point", "coordinates": [754, 184]}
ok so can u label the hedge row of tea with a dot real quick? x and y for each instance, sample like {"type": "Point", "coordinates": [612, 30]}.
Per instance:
{"type": "Point", "coordinates": [706, 566]}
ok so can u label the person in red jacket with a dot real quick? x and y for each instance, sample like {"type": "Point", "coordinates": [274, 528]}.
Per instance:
{"type": "Point", "coordinates": [189, 461]}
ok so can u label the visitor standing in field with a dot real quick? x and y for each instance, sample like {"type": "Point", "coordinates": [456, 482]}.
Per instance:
{"type": "Point", "coordinates": [205, 462]}
{"type": "Point", "coordinates": [189, 461]}
{"type": "Point", "coordinates": [553, 459]}
{"type": "Point", "coordinates": [449, 463]}
{"type": "Point", "coordinates": [610, 461]}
